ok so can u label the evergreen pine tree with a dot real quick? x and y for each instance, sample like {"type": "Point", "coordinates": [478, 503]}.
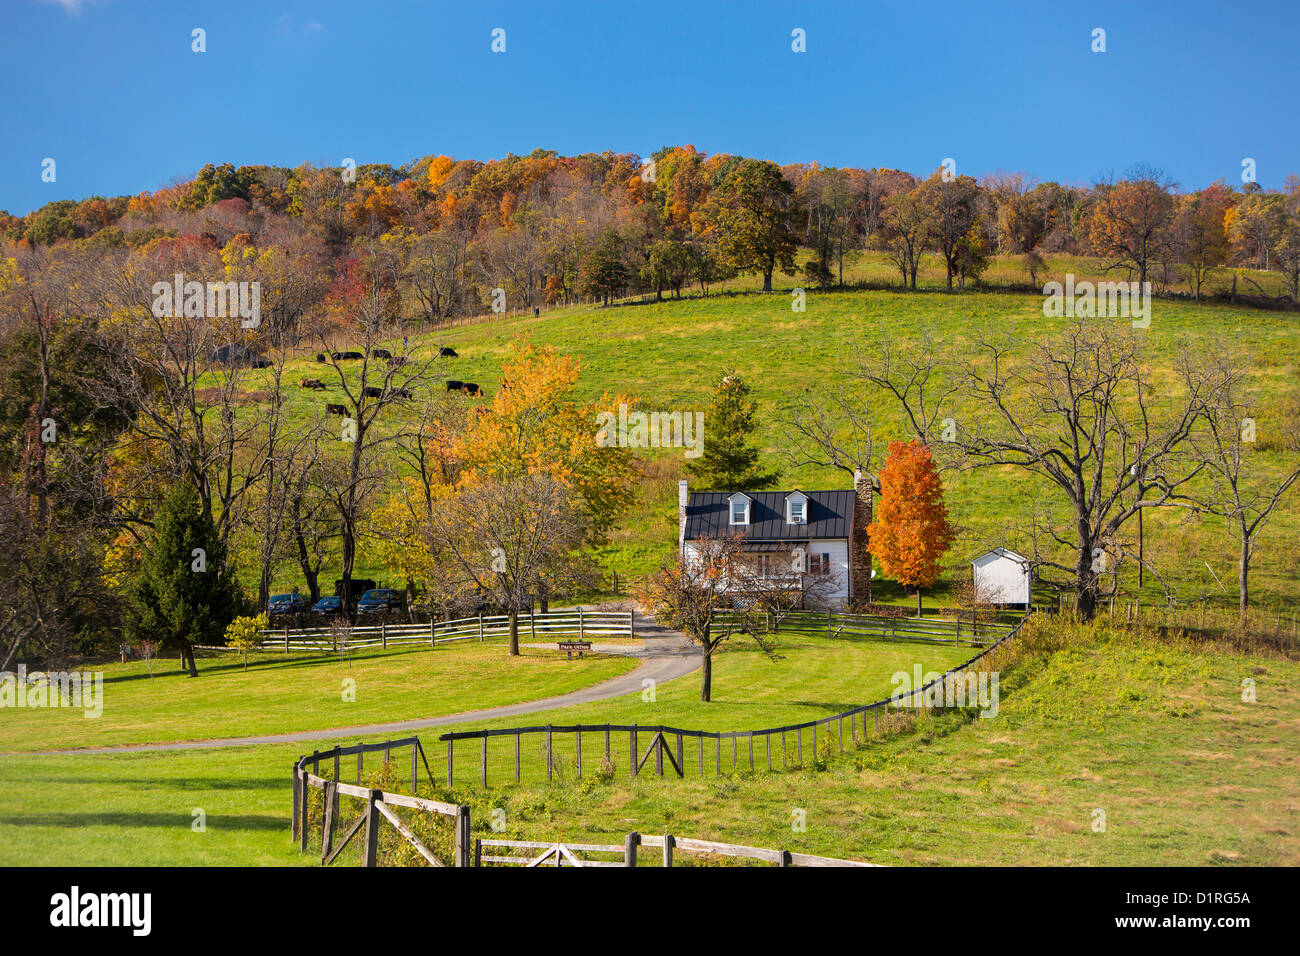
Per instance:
{"type": "Point", "coordinates": [181, 597]}
{"type": "Point", "coordinates": [729, 462]}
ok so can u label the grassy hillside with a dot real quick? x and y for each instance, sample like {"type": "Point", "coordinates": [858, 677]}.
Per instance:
{"type": "Point", "coordinates": [668, 354]}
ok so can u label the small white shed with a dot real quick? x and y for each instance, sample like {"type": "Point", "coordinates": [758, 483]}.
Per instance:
{"type": "Point", "coordinates": [1002, 577]}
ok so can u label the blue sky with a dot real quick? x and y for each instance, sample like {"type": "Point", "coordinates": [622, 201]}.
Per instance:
{"type": "Point", "coordinates": [111, 90]}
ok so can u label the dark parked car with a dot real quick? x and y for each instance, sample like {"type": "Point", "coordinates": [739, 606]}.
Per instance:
{"type": "Point", "coordinates": [379, 601]}
{"type": "Point", "coordinates": [285, 604]}
{"type": "Point", "coordinates": [328, 605]}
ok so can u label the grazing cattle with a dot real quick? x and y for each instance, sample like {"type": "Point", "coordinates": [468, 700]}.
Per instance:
{"type": "Point", "coordinates": [454, 386]}
{"type": "Point", "coordinates": [311, 383]}
{"type": "Point", "coordinates": [331, 409]}
{"type": "Point", "coordinates": [472, 388]}
{"type": "Point", "coordinates": [347, 356]}
{"type": "Point", "coordinates": [320, 356]}
{"type": "Point", "coordinates": [400, 393]}
{"type": "Point", "coordinates": [446, 352]}
{"type": "Point", "coordinates": [373, 391]}
{"type": "Point", "coordinates": [381, 353]}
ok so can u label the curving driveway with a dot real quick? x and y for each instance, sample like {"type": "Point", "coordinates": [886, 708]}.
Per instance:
{"type": "Point", "coordinates": [665, 655]}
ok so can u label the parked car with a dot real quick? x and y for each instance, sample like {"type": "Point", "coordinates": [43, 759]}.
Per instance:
{"type": "Point", "coordinates": [332, 604]}
{"type": "Point", "coordinates": [281, 604]}
{"type": "Point", "coordinates": [379, 601]}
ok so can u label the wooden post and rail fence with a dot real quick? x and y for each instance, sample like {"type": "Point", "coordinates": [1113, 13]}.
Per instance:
{"type": "Point", "coordinates": [378, 810]}
{"type": "Point", "coordinates": [563, 625]}
{"type": "Point", "coordinates": [705, 750]}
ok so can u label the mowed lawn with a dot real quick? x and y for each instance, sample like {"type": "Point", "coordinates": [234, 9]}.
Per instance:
{"type": "Point", "coordinates": [138, 808]}
{"type": "Point", "coordinates": [1156, 736]}
{"type": "Point", "coordinates": [280, 695]}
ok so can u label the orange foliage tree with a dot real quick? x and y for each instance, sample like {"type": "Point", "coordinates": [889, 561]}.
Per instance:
{"type": "Point", "coordinates": [910, 532]}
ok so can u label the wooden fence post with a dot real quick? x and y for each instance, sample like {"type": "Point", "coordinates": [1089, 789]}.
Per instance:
{"type": "Point", "coordinates": [286, 640]}
{"type": "Point", "coordinates": [383, 635]}
{"type": "Point", "coordinates": [630, 844]}
{"type": "Point", "coordinates": [631, 624]}
{"type": "Point", "coordinates": [548, 753]}
{"type": "Point", "coordinates": [462, 837]}
{"type": "Point", "coordinates": [480, 628]}
{"type": "Point", "coordinates": [681, 765]}
{"type": "Point", "coordinates": [371, 851]}
{"type": "Point", "coordinates": [414, 774]}
{"type": "Point", "coordinates": [450, 742]}
{"type": "Point", "coordinates": [297, 800]}
{"type": "Point", "coordinates": [607, 754]}
{"type": "Point", "coordinates": [579, 742]}
{"type": "Point", "coordinates": [327, 823]}
{"type": "Point", "coordinates": [361, 759]}
{"type": "Point", "coordinates": [433, 632]}
{"type": "Point", "coordinates": [516, 757]}
{"type": "Point", "coordinates": [631, 745]}
{"type": "Point", "coordinates": [669, 843]}
{"type": "Point", "coordinates": [581, 627]}
{"type": "Point", "coordinates": [482, 759]}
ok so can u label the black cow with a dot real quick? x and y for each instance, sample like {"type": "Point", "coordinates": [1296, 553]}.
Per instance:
{"type": "Point", "coordinates": [472, 389]}
{"type": "Point", "coordinates": [381, 354]}
{"type": "Point", "coordinates": [400, 393]}
{"type": "Point", "coordinates": [320, 356]}
{"type": "Point", "coordinates": [374, 391]}
{"type": "Point", "coordinates": [454, 386]}
{"type": "Point", "coordinates": [331, 409]}
{"type": "Point", "coordinates": [346, 356]}
{"type": "Point", "coordinates": [446, 352]}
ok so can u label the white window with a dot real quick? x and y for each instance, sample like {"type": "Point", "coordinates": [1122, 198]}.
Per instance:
{"type": "Point", "coordinates": [796, 508]}
{"type": "Point", "coordinates": [739, 509]}
{"type": "Point", "coordinates": [796, 512]}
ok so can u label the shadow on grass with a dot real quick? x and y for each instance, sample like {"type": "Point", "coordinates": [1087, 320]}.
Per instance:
{"type": "Point", "coordinates": [215, 821]}
{"type": "Point", "coordinates": [183, 783]}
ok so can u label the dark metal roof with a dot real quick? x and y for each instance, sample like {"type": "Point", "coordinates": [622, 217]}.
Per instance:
{"type": "Point", "coordinates": [830, 515]}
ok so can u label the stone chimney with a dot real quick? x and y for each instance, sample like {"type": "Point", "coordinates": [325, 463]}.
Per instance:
{"type": "Point", "coordinates": [683, 496]}
{"type": "Point", "coordinates": [859, 547]}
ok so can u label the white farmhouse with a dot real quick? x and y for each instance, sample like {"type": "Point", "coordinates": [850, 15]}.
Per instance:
{"type": "Point", "coordinates": [1002, 577]}
{"type": "Point", "coordinates": [827, 527]}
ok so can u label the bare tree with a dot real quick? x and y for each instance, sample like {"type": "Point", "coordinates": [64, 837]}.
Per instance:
{"type": "Point", "coordinates": [505, 535]}
{"type": "Point", "coordinates": [710, 595]}
{"type": "Point", "coordinates": [1081, 415]}
{"type": "Point", "coordinates": [1238, 493]}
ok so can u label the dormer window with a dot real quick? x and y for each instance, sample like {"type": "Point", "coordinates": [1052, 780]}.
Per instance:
{"type": "Point", "coordinates": [739, 508]}
{"type": "Point", "coordinates": [796, 508]}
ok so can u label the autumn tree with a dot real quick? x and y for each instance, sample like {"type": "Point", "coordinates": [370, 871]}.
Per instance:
{"type": "Point", "coordinates": [1130, 218]}
{"type": "Point", "coordinates": [756, 220]}
{"type": "Point", "coordinates": [952, 209]}
{"type": "Point", "coordinates": [910, 531]}
{"type": "Point", "coordinates": [906, 228]}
